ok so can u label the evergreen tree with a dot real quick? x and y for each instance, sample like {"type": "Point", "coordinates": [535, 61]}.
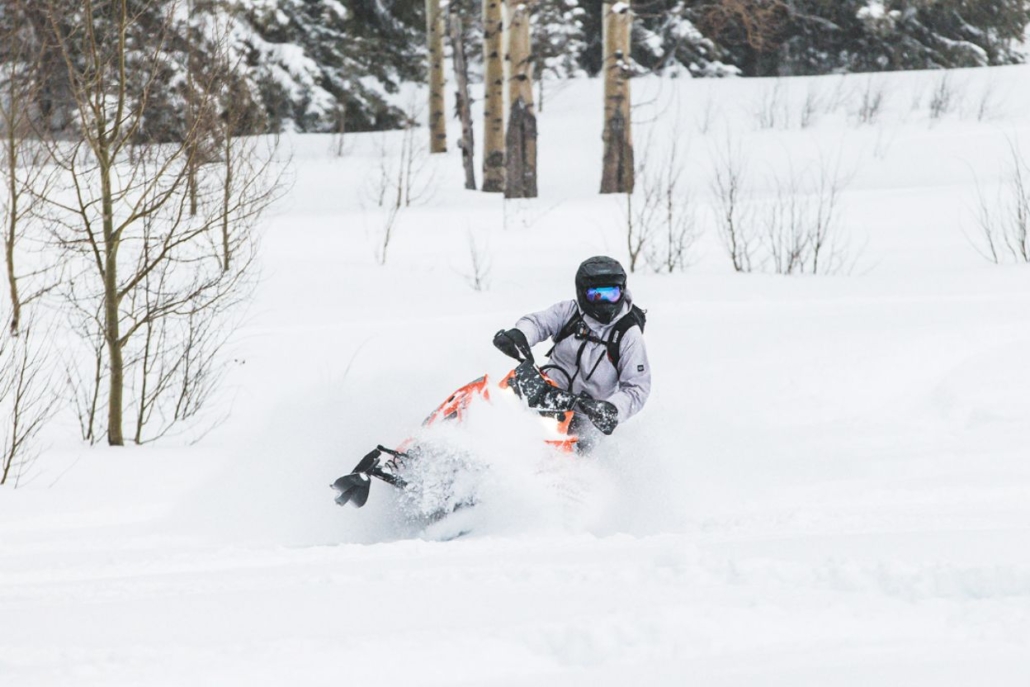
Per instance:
{"type": "Point", "coordinates": [301, 63]}
{"type": "Point", "coordinates": [558, 38]}
{"type": "Point", "coordinates": [288, 63]}
{"type": "Point", "coordinates": [873, 35]}
{"type": "Point", "coordinates": [784, 37]}
{"type": "Point", "coordinates": [666, 36]}
{"type": "Point", "coordinates": [306, 56]}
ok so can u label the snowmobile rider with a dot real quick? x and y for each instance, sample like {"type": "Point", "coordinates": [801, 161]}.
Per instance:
{"type": "Point", "coordinates": [598, 351]}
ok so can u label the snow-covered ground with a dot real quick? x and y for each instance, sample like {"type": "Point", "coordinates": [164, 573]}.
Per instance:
{"type": "Point", "coordinates": [829, 486]}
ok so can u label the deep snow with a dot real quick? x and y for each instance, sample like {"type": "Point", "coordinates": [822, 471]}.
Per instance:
{"type": "Point", "coordinates": [829, 485]}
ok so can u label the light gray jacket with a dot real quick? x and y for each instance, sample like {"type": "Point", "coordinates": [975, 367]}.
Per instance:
{"type": "Point", "coordinates": [627, 388]}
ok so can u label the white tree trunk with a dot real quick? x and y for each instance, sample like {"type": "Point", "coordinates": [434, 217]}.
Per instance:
{"type": "Point", "coordinates": [520, 148]}
{"type": "Point", "coordinates": [493, 109]}
{"type": "Point", "coordinates": [461, 77]}
{"type": "Point", "coordinates": [437, 107]}
{"type": "Point", "coordinates": [617, 174]}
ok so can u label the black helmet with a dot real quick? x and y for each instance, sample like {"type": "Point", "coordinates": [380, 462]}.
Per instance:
{"type": "Point", "coordinates": [596, 272]}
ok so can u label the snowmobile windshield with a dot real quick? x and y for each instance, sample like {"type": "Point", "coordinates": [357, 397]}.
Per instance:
{"type": "Point", "coordinates": [607, 294]}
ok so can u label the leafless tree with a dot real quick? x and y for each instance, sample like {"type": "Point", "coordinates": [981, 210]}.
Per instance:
{"type": "Point", "coordinates": [830, 251]}
{"type": "Point", "coordinates": [404, 178]}
{"type": "Point", "coordinates": [479, 263]}
{"type": "Point", "coordinates": [680, 233]}
{"type": "Point", "coordinates": [943, 97]}
{"type": "Point", "coordinates": [158, 242]}
{"type": "Point", "coordinates": [186, 303]}
{"type": "Point", "coordinates": [839, 96]}
{"type": "Point", "coordinates": [785, 227]}
{"type": "Point", "coordinates": [797, 230]}
{"type": "Point", "coordinates": [661, 216]}
{"type": "Point", "coordinates": [23, 171]}
{"type": "Point", "coordinates": [27, 400]}
{"type": "Point", "coordinates": [811, 107]}
{"type": "Point", "coordinates": [871, 101]}
{"type": "Point", "coordinates": [986, 102]}
{"type": "Point", "coordinates": [390, 191]}
{"type": "Point", "coordinates": [802, 222]}
{"type": "Point", "coordinates": [735, 220]}
{"type": "Point", "coordinates": [643, 212]}
{"type": "Point", "coordinates": [1003, 222]}
{"type": "Point", "coordinates": [85, 369]}
{"type": "Point", "coordinates": [771, 110]}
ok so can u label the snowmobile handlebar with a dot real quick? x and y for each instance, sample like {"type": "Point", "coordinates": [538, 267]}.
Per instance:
{"type": "Point", "coordinates": [529, 383]}
{"type": "Point", "coordinates": [601, 414]}
{"type": "Point", "coordinates": [513, 343]}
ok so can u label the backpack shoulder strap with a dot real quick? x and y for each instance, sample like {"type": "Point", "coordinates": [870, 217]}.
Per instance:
{"type": "Point", "coordinates": [567, 330]}
{"type": "Point", "coordinates": [636, 317]}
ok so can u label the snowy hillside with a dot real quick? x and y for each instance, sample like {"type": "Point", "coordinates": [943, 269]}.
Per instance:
{"type": "Point", "coordinates": [828, 486]}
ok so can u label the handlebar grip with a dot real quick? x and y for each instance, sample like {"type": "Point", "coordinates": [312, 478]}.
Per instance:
{"type": "Point", "coordinates": [603, 415]}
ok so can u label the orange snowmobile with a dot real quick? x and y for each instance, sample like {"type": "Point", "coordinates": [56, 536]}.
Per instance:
{"type": "Point", "coordinates": [539, 393]}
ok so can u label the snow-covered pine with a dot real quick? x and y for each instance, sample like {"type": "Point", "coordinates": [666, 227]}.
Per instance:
{"type": "Point", "coordinates": [291, 63]}
{"type": "Point", "coordinates": [816, 37]}
{"type": "Point", "coordinates": [666, 38]}
{"type": "Point", "coordinates": [305, 57]}
{"type": "Point", "coordinates": [558, 38]}
{"type": "Point", "coordinates": [299, 64]}
{"type": "Point", "coordinates": [879, 35]}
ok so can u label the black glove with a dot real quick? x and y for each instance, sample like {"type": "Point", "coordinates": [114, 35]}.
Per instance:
{"type": "Point", "coordinates": [604, 415]}
{"type": "Point", "coordinates": [513, 343]}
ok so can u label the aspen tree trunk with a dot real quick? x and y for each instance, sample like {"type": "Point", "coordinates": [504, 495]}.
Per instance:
{"type": "Point", "coordinates": [13, 123]}
{"type": "Point", "coordinates": [437, 115]}
{"type": "Point", "coordinates": [191, 103]}
{"type": "Point", "coordinates": [12, 222]}
{"type": "Point", "coordinates": [112, 299]}
{"type": "Point", "coordinates": [493, 108]}
{"type": "Point", "coordinates": [461, 77]}
{"type": "Point", "coordinates": [617, 175]}
{"type": "Point", "coordinates": [520, 149]}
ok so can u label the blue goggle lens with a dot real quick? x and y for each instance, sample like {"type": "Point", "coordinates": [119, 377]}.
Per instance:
{"type": "Point", "coordinates": [611, 294]}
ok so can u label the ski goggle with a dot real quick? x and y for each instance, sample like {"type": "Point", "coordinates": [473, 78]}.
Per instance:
{"type": "Point", "coordinates": [610, 294]}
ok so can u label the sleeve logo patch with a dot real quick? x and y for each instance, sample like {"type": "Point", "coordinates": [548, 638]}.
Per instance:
{"type": "Point", "coordinates": [640, 368]}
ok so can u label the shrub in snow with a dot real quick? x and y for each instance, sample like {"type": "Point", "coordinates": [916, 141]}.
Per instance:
{"type": "Point", "coordinates": [798, 230]}
{"type": "Point", "coordinates": [1003, 223]}
{"type": "Point", "coordinates": [27, 400]}
{"type": "Point", "coordinates": [944, 97]}
{"type": "Point", "coordinates": [871, 102]}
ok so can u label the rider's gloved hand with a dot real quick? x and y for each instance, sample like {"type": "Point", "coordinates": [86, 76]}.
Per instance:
{"type": "Point", "coordinates": [603, 415]}
{"type": "Point", "coordinates": [513, 343]}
